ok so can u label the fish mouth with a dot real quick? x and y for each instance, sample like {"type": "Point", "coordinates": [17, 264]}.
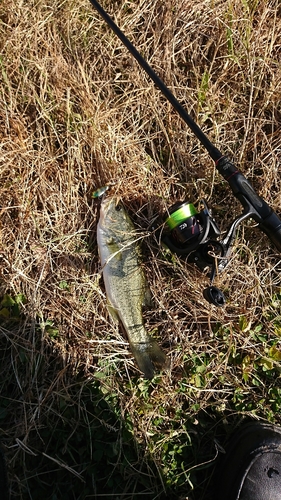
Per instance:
{"type": "Point", "coordinates": [108, 204]}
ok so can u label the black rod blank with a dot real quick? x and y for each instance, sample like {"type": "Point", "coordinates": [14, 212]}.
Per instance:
{"type": "Point", "coordinates": [212, 150]}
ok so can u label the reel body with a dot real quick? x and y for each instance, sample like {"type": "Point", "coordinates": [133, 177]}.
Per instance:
{"type": "Point", "coordinates": [188, 228]}
{"type": "Point", "coordinates": [195, 235]}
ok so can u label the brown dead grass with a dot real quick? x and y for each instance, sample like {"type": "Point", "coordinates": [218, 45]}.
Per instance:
{"type": "Point", "coordinates": [78, 113]}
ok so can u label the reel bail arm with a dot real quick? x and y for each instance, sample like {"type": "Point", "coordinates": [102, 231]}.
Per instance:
{"type": "Point", "coordinates": [254, 206]}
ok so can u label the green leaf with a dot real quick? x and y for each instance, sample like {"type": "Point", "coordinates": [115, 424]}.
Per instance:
{"type": "Point", "coordinates": [7, 301]}
{"type": "Point", "coordinates": [64, 285]}
{"type": "Point", "coordinates": [20, 298]}
{"type": "Point", "coordinates": [243, 323]}
{"type": "Point", "coordinates": [4, 313]}
{"type": "Point", "coordinates": [266, 364]}
{"type": "Point", "coordinates": [246, 362]}
{"type": "Point", "coordinates": [275, 353]}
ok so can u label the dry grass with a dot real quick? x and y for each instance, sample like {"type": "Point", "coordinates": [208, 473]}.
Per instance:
{"type": "Point", "coordinates": [77, 113]}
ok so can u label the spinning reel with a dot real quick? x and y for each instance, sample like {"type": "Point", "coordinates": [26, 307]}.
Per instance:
{"type": "Point", "coordinates": [195, 236]}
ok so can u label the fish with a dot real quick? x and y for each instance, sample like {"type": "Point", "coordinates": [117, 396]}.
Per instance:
{"type": "Point", "coordinates": [125, 283]}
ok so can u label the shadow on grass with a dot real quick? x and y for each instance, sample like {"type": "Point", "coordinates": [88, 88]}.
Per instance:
{"type": "Point", "coordinates": [65, 435]}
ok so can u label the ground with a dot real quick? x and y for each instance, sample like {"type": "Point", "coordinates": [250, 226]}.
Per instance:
{"type": "Point", "coordinates": [77, 419]}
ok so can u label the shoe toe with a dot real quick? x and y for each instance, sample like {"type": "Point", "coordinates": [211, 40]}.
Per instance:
{"type": "Point", "coordinates": [263, 479]}
{"type": "Point", "coordinates": [251, 468]}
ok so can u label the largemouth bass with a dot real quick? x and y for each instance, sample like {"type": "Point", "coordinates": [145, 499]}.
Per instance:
{"type": "Point", "coordinates": [125, 283]}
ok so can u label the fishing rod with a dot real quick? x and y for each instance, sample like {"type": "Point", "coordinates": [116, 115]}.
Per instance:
{"type": "Point", "coordinates": [194, 234]}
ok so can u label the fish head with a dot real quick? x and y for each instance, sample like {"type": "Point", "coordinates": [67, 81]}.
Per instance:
{"type": "Point", "coordinates": [113, 214]}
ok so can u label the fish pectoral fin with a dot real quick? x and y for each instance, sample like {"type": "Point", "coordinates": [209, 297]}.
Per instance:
{"type": "Point", "coordinates": [147, 298]}
{"type": "Point", "coordinates": [148, 355]}
{"type": "Point", "coordinates": [115, 249]}
{"type": "Point", "coordinates": [113, 313]}
{"type": "Point", "coordinates": [111, 241]}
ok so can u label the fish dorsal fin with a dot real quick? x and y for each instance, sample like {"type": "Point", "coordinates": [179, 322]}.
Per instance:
{"type": "Point", "coordinates": [115, 249]}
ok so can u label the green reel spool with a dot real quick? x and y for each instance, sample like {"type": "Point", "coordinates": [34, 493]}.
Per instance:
{"type": "Point", "coordinates": [183, 223]}
{"type": "Point", "coordinates": [179, 214]}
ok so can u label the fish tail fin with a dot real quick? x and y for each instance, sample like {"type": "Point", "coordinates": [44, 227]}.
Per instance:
{"type": "Point", "coordinates": [148, 355]}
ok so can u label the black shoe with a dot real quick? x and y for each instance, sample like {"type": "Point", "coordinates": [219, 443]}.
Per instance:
{"type": "Point", "coordinates": [251, 468]}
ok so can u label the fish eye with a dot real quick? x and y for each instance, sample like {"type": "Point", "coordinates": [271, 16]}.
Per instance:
{"type": "Point", "coordinates": [118, 208]}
